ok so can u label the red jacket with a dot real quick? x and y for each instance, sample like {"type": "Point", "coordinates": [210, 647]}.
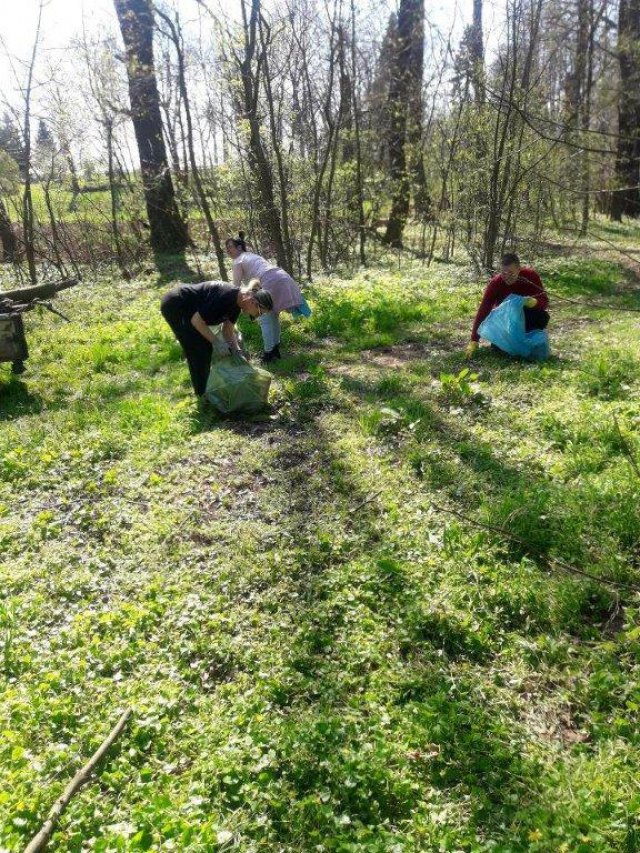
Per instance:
{"type": "Point", "coordinates": [528, 283]}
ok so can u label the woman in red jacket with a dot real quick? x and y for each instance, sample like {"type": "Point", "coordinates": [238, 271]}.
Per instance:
{"type": "Point", "coordinates": [523, 281]}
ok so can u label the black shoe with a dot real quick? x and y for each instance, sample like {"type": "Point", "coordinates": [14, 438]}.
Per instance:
{"type": "Point", "coordinates": [272, 355]}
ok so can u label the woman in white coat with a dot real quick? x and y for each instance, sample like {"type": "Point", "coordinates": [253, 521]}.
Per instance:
{"type": "Point", "coordinates": [284, 291]}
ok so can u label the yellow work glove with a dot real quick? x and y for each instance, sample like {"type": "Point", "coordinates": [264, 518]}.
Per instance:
{"type": "Point", "coordinates": [472, 348]}
{"type": "Point", "coordinates": [530, 302]}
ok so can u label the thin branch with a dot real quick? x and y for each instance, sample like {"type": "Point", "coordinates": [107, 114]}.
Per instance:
{"type": "Point", "coordinates": [550, 562]}
{"type": "Point", "coordinates": [368, 500]}
{"type": "Point", "coordinates": [41, 840]}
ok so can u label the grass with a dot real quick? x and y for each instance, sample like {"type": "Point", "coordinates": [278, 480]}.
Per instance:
{"type": "Point", "coordinates": [318, 658]}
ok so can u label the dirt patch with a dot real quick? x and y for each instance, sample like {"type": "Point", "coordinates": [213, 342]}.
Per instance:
{"type": "Point", "coordinates": [568, 324]}
{"type": "Point", "coordinates": [242, 493]}
{"type": "Point", "coordinates": [546, 715]}
{"type": "Point", "coordinates": [291, 458]}
{"type": "Point", "coordinates": [549, 726]}
{"type": "Point", "coordinates": [399, 355]}
{"type": "Point", "coordinates": [396, 356]}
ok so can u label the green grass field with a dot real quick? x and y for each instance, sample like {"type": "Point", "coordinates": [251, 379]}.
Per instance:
{"type": "Point", "coordinates": [319, 655]}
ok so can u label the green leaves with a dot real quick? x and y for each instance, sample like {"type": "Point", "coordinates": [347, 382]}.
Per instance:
{"type": "Point", "coordinates": [316, 657]}
{"type": "Point", "coordinates": [458, 386]}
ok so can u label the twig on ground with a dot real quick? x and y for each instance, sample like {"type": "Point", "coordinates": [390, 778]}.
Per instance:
{"type": "Point", "coordinates": [41, 840]}
{"type": "Point", "coordinates": [368, 500]}
{"type": "Point", "coordinates": [594, 305]}
{"type": "Point", "coordinates": [549, 561]}
{"type": "Point", "coordinates": [42, 304]}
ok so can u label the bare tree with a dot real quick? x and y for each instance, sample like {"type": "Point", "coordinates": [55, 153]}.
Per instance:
{"type": "Point", "coordinates": [357, 139]}
{"type": "Point", "coordinates": [626, 197]}
{"type": "Point", "coordinates": [7, 237]}
{"type": "Point", "coordinates": [103, 89]}
{"type": "Point", "coordinates": [28, 217]}
{"type": "Point", "coordinates": [175, 34]}
{"type": "Point", "coordinates": [168, 231]}
{"type": "Point", "coordinates": [407, 73]}
{"type": "Point", "coordinates": [275, 127]}
{"type": "Point", "coordinates": [476, 51]}
{"type": "Point", "coordinates": [249, 65]}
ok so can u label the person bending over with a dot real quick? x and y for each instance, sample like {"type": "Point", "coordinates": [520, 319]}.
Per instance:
{"type": "Point", "coordinates": [284, 291]}
{"type": "Point", "coordinates": [191, 308]}
{"type": "Point", "coordinates": [523, 281]}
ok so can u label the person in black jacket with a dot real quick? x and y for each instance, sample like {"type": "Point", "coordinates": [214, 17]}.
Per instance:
{"type": "Point", "coordinates": [190, 309]}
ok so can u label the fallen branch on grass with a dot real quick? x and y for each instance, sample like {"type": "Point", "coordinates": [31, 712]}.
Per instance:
{"type": "Point", "coordinates": [549, 561]}
{"type": "Point", "coordinates": [40, 841]}
{"type": "Point", "coordinates": [368, 500]}
{"type": "Point", "coordinates": [601, 307]}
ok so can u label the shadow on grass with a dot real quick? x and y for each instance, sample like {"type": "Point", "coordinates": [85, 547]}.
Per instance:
{"type": "Point", "coordinates": [335, 752]}
{"type": "Point", "coordinates": [174, 268]}
{"type": "Point", "coordinates": [16, 400]}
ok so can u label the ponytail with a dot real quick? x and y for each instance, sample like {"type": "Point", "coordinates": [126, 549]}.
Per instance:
{"type": "Point", "coordinates": [238, 241]}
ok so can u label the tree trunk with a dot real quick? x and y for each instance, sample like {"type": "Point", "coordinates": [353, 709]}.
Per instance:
{"type": "Point", "coordinates": [268, 213]}
{"type": "Point", "coordinates": [477, 54]}
{"type": "Point", "coordinates": [626, 198]}
{"type": "Point", "coordinates": [28, 218]}
{"type": "Point", "coordinates": [166, 106]}
{"type": "Point", "coordinates": [108, 127]}
{"type": "Point", "coordinates": [73, 172]}
{"type": "Point", "coordinates": [346, 98]}
{"type": "Point", "coordinates": [321, 162]}
{"type": "Point", "coordinates": [358, 147]}
{"type": "Point", "coordinates": [276, 142]}
{"type": "Point", "coordinates": [7, 237]}
{"type": "Point", "coordinates": [168, 231]}
{"type": "Point", "coordinates": [403, 77]}
{"type": "Point", "coordinates": [593, 21]}
{"type": "Point", "coordinates": [418, 178]}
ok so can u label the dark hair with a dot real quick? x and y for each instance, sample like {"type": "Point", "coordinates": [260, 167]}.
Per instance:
{"type": "Point", "coordinates": [264, 299]}
{"type": "Point", "coordinates": [238, 241]}
{"type": "Point", "coordinates": [510, 258]}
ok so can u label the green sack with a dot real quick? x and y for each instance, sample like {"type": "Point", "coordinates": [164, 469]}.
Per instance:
{"type": "Point", "coordinates": [235, 385]}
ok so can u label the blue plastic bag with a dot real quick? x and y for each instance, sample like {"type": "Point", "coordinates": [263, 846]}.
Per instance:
{"type": "Point", "coordinates": [505, 328]}
{"type": "Point", "coordinates": [302, 310]}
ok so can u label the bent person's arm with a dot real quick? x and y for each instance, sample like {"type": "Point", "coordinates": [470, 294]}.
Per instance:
{"type": "Point", "coordinates": [237, 274]}
{"type": "Point", "coordinates": [488, 301]}
{"type": "Point", "coordinates": [542, 298]}
{"type": "Point", "coordinates": [230, 336]}
{"type": "Point", "coordinates": [199, 324]}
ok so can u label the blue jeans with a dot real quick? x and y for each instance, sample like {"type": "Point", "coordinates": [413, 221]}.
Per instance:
{"type": "Point", "coordinates": [270, 328]}
{"type": "Point", "coordinates": [270, 324]}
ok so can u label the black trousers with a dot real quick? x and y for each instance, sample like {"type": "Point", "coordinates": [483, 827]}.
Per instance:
{"type": "Point", "coordinates": [196, 349]}
{"type": "Point", "coordinates": [535, 318]}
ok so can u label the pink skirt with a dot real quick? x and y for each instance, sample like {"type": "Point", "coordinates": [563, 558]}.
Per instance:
{"type": "Point", "coordinates": [283, 289]}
